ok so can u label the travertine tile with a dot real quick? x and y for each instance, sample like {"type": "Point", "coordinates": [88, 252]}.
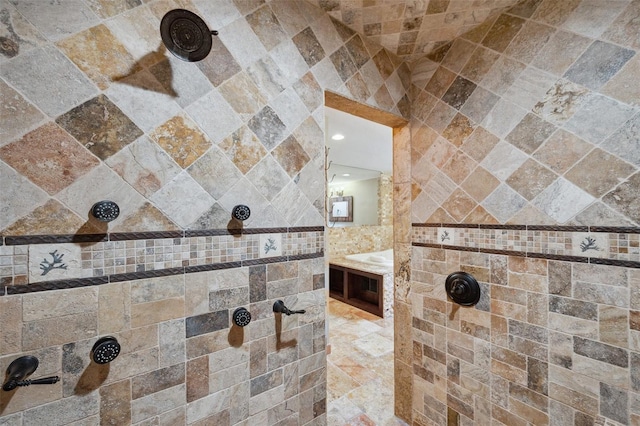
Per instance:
{"type": "Point", "coordinates": [560, 52]}
{"type": "Point", "coordinates": [599, 172]}
{"type": "Point", "coordinates": [57, 20]}
{"type": "Point", "coordinates": [530, 179]}
{"type": "Point", "coordinates": [100, 126]}
{"type": "Point", "coordinates": [598, 117]}
{"type": "Point", "coordinates": [99, 54]}
{"type": "Point", "coordinates": [590, 19]}
{"type": "Point", "coordinates": [502, 32]}
{"type": "Point", "coordinates": [624, 198]}
{"type": "Point", "coordinates": [18, 200]}
{"type": "Point", "coordinates": [530, 133]}
{"type": "Point", "coordinates": [572, 147]}
{"type": "Point", "coordinates": [19, 35]}
{"type": "Point", "coordinates": [625, 140]}
{"type": "Point", "coordinates": [598, 64]}
{"type": "Point", "coordinates": [503, 203]}
{"type": "Point", "coordinates": [18, 115]}
{"type": "Point", "coordinates": [181, 138]}
{"type": "Point", "coordinates": [49, 157]}
{"type": "Point", "coordinates": [49, 80]}
{"type": "Point", "coordinates": [562, 200]}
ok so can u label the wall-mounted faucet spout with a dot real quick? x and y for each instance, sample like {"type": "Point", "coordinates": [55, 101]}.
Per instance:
{"type": "Point", "coordinates": [20, 369]}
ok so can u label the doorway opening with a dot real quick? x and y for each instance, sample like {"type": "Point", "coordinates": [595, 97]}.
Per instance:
{"type": "Point", "coordinates": [360, 245]}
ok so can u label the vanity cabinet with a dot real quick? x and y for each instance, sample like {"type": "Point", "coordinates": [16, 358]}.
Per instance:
{"type": "Point", "coordinates": [361, 289]}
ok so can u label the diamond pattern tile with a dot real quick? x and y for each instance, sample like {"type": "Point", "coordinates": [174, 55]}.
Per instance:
{"type": "Point", "coordinates": [100, 126]}
{"type": "Point", "coordinates": [49, 157]}
{"type": "Point", "coordinates": [181, 138]}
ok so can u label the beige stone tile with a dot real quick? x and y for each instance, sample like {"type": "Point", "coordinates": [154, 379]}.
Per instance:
{"type": "Point", "coordinates": [100, 55]}
{"type": "Point", "coordinates": [181, 138]}
{"type": "Point", "coordinates": [622, 86]}
{"type": "Point", "coordinates": [572, 147]}
{"type": "Point", "coordinates": [143, 314]}
{"type": "Point", "coordinates": [560, 52]}
{"type": "Point", "coordinates": [599, 172]}
{"type": "Point", "coordinates": [531, 178]}
{"type": "Point", "coordinates": [480, 183]}
{"type": "Point", "coordinates": [11, 316]}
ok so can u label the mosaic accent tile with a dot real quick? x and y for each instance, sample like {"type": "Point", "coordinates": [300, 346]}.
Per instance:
{"type": "Point", "coordinates": [599, 172]}
{"type": "Point", "coordinates": [57, 20]}
{"type": "Point", "coordinates": [100, 126]}
{"type": "Point", "coordinates": [598, 64]}
{"type": "Point", "coordinates": [99, 54]}
{"type": "Point", "coordinates": [590, 244]}
{"type": "Point", "coordinates": [49, 157]}
{"type": "Point", "coordinates": [144, 166]}
{"type": "Point", "coordinates": [48, 81]}
{"type": "Point", "coordinates": [54, 262]}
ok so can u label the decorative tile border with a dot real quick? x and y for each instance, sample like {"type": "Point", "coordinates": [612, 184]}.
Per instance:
{"type": "Point", "coordinates": [618, 246]}
{"type": "Point", "coordinates": [47, 262]}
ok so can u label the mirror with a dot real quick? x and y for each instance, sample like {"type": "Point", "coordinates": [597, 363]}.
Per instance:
{"type": "Point", "coordinates": [357, 164]}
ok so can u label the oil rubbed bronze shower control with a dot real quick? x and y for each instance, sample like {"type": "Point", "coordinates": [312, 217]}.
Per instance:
{"type": "Point", "coordinates": [241, 317]}
{"type": "Point", "coordinates": [105, 350]}
{"type": "Point", "coordinates": [279, 307]}
{"type": "Point", "coordinates": [241, 212]}
{"type": "Point", "coordinates": [462, 288]}
{"type": "Point", "coordinates": [20, 369]}
{"type": "Point", "coordinates": [105, 211]}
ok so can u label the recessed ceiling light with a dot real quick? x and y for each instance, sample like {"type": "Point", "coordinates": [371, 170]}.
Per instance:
{"type": "Point", "coordinates": [337, 137]}
{"type": "Point", "coordinates": [346, 175]}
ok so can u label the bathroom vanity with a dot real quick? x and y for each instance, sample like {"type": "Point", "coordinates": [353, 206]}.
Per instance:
{"type": "Point", "coordinates": [365, 285]}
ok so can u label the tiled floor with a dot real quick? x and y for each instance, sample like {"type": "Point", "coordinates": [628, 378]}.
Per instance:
{"type": "Point", "coordinates": [360, 368]}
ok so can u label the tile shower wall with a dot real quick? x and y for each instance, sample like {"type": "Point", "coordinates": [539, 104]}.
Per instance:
{"type": "Point", "coordinates": [93, 108]}
{"type": "Point", "coordinates": [525, 173]}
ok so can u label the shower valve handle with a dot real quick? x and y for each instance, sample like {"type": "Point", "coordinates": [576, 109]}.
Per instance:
{"type": "Point", "coordinates": [279, 307]}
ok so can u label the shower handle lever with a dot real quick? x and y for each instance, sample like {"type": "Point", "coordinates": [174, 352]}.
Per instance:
{"type": "Point", "coordinates": [20, 369]}
{"type": "Point", "coordinates": [279, 307]}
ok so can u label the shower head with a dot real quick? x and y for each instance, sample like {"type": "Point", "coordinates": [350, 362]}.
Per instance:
{"type": "Point", "coordinates": [105, 350]}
